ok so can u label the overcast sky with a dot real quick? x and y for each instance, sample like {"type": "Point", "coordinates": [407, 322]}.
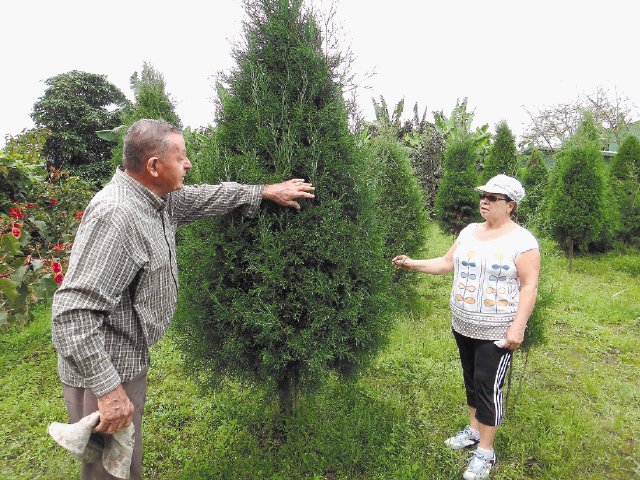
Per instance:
{"type": "Point", "coordinates": [506, 56]}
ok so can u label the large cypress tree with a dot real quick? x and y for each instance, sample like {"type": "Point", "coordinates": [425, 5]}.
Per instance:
{"type": "Point", "coordinates": [285, 297]}
{"type": "Point", "coordinates": [502, 156]}
{"type": "Point", "coordinates": [456, 200]}
{"type": "Point", "coordinates": [625, 178]}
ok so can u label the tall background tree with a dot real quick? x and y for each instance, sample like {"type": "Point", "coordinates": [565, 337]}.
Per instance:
{"type": "Point", "coordinates": [427, 148]}
{"type": "Point", "coordinates": [502, 155]}
{"type": "Point", "coordinates": [578, 202]}
{"type": "Point", "coordinates": [151, 100]}
{"type": "Point", "coordinates": [74, 106]}
{"type": "Point", "coordinates": [456, 203]}
{"type": "Point", "coordinates": [551, 127]}
{"type": "Point", "coordinates": [286, 297]}
{"type": "Point", "coordinates": [625, 178]}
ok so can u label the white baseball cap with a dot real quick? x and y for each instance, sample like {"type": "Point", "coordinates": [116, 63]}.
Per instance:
{"type": "Point", "coordinates": [506, 185]}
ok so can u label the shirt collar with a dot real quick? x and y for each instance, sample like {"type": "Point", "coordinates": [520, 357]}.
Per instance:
{"type": "Point", "coordinates": [142, 192]}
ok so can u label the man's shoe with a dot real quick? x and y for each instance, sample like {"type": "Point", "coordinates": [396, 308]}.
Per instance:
{"type": "Point", "coordinates": [463, 439]}
{"type": "Point", "coordinates": [480, 466]}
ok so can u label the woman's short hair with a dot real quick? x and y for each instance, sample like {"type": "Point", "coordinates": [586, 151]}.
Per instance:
{"type": "Point", "coordinates": [144, 139]}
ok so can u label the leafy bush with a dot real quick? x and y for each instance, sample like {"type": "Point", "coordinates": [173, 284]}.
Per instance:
{"type": "Point", "coordinates": [40, 214]}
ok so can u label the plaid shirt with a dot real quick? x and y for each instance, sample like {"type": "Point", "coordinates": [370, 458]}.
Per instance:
{"type": "Point", "coordinates": [121, 288]}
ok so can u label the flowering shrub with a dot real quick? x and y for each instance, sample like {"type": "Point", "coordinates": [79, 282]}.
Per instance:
{"type": "Point", "coordinates": [37, 227]}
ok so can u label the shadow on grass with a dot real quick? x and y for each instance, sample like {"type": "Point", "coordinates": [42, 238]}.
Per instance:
{"type": "Point", "coordinates": [341, 432]}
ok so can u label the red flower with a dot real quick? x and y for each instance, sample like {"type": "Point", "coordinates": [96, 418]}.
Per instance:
{"type": "Point", "coordinates": [58, 278]}
{"type": "Point", "coordinates": [15, 213]}
{"type": "Point", "coordinates": [15, 230]}
{"type": "Point", "coordinates": [78, 215]}
{"type": "Point", "coordinates": [4, 275]}
{"type": "Point", "coordinates": [58, 247]}
{"type": "Point", "coordinates": [53, 201]}
{"type": "Point", "coordinates": [31, 205]}
{"type": "Point", "coordinates": [56, 267]}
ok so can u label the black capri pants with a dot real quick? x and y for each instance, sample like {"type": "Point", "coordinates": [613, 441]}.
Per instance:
{"type": "Point", "coordinates": [484, 366]}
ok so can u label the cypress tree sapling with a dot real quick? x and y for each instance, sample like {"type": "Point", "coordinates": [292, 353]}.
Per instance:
{"type": "Point", "coordinates": [577, 202]}
{"type": "Point", "coordinates": [625, 183]}
{"type": "Point", "coordinates": [285, 297]}
{"type": "Point", "coordinates": [502, 156]}
{"type": "Point", "coordinates": [456, 200]}
{"type": "Point", "coordinates": [535, 177]}
{"type": "Point", "coordinates": [401, 202]}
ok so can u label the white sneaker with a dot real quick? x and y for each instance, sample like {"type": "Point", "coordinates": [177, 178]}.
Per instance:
{"type": "Point", "coordinates": [463, 439]}
{"type": "Point", "coordinates": [480, 466]}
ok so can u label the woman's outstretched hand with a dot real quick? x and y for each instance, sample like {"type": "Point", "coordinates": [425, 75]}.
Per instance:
{"type": "Point", "coordinates": [400, 261]}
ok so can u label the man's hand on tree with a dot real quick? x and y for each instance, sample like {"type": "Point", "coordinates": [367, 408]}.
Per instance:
{"type": "Point", "coordinates": [286, 193]}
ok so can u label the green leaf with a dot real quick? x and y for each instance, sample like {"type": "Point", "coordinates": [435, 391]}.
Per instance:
{"type": "Point", "coordinates": [42, 227]}
{"type": "Point", "coordinates": [9, 288]}
{"type": "Point", "coordinates": [18, 275]}
{"type": "Point", "coordinates": [10, 244]}
{"type": "Point", "coordinates": [48, 286]}
{"type": "Point", "coordinates": [111, 135]}
{"type": "Point", "coordinates": [3, 317]}
{"type": "Point", "coordinates": [223, 93]}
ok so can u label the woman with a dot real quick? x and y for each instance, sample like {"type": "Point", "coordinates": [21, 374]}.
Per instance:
{"type": "Point", "coordinates": [496, 265]}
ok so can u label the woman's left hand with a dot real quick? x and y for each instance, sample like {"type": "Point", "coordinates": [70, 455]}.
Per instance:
{"type": "Point", "coordinates": [514, 337]}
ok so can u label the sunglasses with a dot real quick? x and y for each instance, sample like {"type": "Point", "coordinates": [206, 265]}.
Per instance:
{"type": "Point", "coordinates": [493, 198]}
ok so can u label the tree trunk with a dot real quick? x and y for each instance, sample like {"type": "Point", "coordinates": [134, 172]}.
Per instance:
{"type": "Point", "coordinates": [289, 392]}
{"type": "Point", "coordinates": [570, 254]}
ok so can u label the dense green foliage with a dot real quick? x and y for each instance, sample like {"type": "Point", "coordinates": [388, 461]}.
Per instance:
{"type": "Point", "coordinates": [401, 203]}
{"type": "Point", "coordinates": [502, 156]}
{"type": "Point", "coordinates": [571, 414]}
{"type": "Point", "coordinates": [456, 200]}
{"type": "Point", "coordinates": [285, 297]}
{"type": "Point", "coordinates": [74, 106]}
{"type": "Point", "coordinates": [579, 212]}
{"type": "Point", "coordinates": [625, 186]}
{"type": "Point", "coordinates": [534, 176]}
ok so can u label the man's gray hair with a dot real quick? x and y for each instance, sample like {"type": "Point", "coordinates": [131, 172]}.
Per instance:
{"type": "Point", "coordinates": [144, 139]}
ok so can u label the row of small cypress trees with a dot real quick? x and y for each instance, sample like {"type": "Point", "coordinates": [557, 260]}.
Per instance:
{"type": "Point", "coordinates": [581, 202]}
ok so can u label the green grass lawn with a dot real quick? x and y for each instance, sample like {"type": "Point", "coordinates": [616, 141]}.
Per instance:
{"type": "Point", "coordinates": [577, 411]}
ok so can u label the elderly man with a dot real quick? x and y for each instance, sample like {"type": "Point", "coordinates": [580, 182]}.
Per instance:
{"type": "Point", "coordinates": [121, 288]}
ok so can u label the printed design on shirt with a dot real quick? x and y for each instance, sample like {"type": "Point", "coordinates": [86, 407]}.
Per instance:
{"type": "Point", "coordinates": [467, 288]}
{"type": "Point", "coordinates": [496, 291]}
